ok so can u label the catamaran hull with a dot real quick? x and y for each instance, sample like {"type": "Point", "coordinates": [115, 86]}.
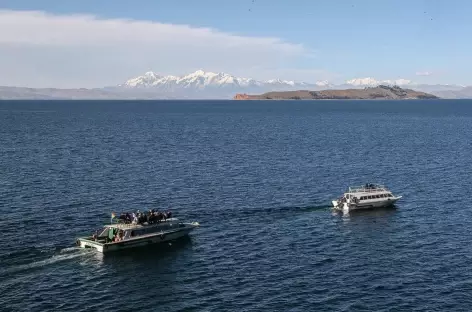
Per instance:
{"type": "Point", "coordinates": [135, 242]}
{"type": "Point", "coordinates": [369, 205]}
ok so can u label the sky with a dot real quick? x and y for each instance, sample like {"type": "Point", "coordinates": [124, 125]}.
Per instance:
{"type": "Point", "coordinates": [90, 43]}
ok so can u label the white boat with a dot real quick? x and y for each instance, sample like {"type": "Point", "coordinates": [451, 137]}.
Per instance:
{"type": "Point", "coordinates": [365, 197]}
{"type": "Point", "coordinates": [119, 236]}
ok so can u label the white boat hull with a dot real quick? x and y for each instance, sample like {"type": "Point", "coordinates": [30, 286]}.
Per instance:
{"type": "Point", "coordinates": [372, 204]}
{"type": "Point", "coordinates": [139, 241]}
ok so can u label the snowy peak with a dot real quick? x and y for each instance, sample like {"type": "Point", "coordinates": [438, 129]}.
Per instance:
{"type": "Point", "coordinates": [358, 82]}
{"type": "Point", "coordinates": [146, 79]}
{"type": "Point", "coordinates": [363, 82]}
{"type": "Point", "coordinates": [323, 83]}
{"type": "Point", "coordinates": [201, 79]}
{"type": "Point", "coordinates": [398, 82]}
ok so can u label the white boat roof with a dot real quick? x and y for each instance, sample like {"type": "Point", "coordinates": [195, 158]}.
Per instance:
{"type": "Point", "coordinates": [374, 188]}
{"type": "Point", "coordinates": [124, 226]}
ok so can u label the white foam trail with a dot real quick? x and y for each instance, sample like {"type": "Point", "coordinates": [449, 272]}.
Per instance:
{"type": "Point", "coordinates": [45, 262]}
{"type": "Point", "coordinates": [69, 249]}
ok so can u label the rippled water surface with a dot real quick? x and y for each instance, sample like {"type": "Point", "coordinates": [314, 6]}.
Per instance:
{"type": "Point", "coordinates": [259, 177]}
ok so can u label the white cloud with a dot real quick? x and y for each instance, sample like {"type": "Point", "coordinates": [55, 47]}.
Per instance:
{"type": "Point", "coordinates": [424, 73]}
{"type": "Point", "coordinates": [45, 50]}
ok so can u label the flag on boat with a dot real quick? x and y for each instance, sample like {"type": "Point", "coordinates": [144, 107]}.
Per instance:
{"type": "Point", "coordinates": [113, 215]}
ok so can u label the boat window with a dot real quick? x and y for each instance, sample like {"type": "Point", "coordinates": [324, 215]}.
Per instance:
{"type": "Point", "coordinates": [104, 232]}
{"type": "Point", "coordinates": [127, 234]}
{"type": "Point", "coordinates": [369, 197]}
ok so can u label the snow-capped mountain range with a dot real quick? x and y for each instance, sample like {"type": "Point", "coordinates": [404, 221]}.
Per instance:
{"type": "Point", "coordinates": [201, 79]}
{"type": "Point", "coordinates": [201, 84]}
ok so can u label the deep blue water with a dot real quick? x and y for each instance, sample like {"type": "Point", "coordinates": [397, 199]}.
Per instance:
{"type": "Point", "coordinates": [259, 177]}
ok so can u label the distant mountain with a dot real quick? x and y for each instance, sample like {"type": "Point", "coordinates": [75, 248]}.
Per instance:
{"type": "Point", "coordinates": [371, 82]}
{"type": "Point", "coordinates": [202, 84]}
{"type": "Point", "coordinates": [20, 93]}
{"type": "Point", "coordinates": [208, 85]}
{"type": "Point", "coordinates": [463, 93]}
{"type": "Point", "coordinates": [368, 93]}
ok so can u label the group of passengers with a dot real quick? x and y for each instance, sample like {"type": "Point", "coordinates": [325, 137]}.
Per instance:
{"type": "Point", "coordinates": [115, 235]}
{"type": "Point", "coordinates": [150, 217]}
{"type": "Point", "coordinates": [344, 199]}
{"type": "Point", "coordinates": [118, 236]}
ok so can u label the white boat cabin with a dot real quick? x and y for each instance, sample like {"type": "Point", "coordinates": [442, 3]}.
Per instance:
{"type": "Point", "coordinates": [368, 192]}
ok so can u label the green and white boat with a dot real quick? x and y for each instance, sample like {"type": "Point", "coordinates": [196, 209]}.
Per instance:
{"type": "Point", "coordinates": [119, 236]}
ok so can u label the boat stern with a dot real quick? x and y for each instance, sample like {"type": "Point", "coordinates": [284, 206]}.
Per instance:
{"type": "Point", "coordinates": [86, 243]}
{"type": "Point", "coordinates": [191, 226]}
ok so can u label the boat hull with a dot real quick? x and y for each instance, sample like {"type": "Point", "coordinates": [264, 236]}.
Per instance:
{"type": "Point", "coordinates": [366, 205]}
{"type": "Point", "coordinates": [135, 242]}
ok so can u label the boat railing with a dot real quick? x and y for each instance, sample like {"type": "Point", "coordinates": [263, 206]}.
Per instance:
{"type": "Point", "coordinates": [367, 189]}
{"type": "Point", "coordinates": [121, 224]}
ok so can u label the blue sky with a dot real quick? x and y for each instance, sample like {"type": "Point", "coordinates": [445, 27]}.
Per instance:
{"type": "Point", "coordinates": [340, 40]}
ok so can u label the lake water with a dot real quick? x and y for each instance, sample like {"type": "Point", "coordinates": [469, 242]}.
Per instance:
{"type": "Point", "coordinates": [259, 177]}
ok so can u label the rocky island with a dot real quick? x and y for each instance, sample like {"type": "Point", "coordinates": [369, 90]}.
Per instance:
{"type": "Point", "coordinates": [370, 93]}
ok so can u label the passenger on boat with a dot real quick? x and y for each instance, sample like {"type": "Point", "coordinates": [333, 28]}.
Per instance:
{"type": "Point", "coordinates": [118, 236]}
{"type": "Point", "coordinates": [95, 235]}
{"type": "Point", "coordinates": [141, 218]}
{"type": "Point", "coordinates": [125, 218]}
{"type": "Point", "coordinates": [152, 216]}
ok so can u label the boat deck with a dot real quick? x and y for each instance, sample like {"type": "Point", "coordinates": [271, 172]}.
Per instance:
{"type": "Point", "coordinates": [365, 189]}
{"type": "Point", "coordinates": [126, 226]}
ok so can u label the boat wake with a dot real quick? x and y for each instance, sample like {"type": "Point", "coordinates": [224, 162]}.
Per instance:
{"type": "Point", "coordinates": [296, 209]}
{"type": "Point", "coordinates": [70, 249]}
{"type": "Point", "coordinates": [60, 256]}
{"type": "Point", "coordinates": [282, 211]}
{"type": "Point", "coordinates": [313, 208]}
